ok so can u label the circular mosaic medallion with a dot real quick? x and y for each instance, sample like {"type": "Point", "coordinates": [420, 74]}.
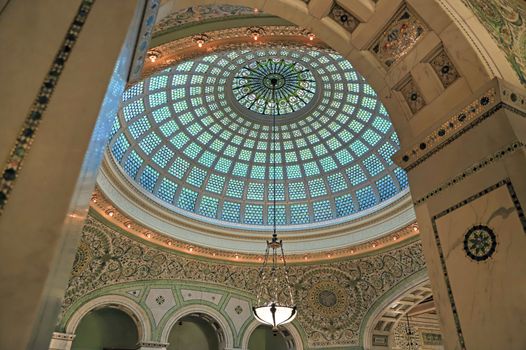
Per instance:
{"type": "Point", "coordinates": [480, 242]}
{"type": "Point", "coordinates": [327, 298]}
{"type": "Point", "coordinates": [274, 86]}
{"type": "Point", "coordinates": [331, 298]}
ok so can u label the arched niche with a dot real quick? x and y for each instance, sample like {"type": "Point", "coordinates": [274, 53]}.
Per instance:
{"type": "Point", "coordinates": [263, 338]}
{"type": "Point", "coordinates": [106, 328]}
{"type": "Point", "coordinates": [195, 331]}
{"type": "Point", "coordinates": [128, 306]}
{"type": "Point", "coordinates": [288, 332]}
{"type": "Point", "coordinates": [390, 311]}
{"type": "Point", "coordinates": [212, 317]}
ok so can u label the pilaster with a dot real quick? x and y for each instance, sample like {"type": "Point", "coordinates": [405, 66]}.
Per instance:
{"type": "Point", "coordinates": [61, 341]}
{"type": "Point", "coordinates": [70, 63]}
{"type": "Point", "coordinates": [468, 187]}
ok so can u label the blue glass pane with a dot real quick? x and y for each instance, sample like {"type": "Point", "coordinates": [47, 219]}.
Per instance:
{"type": "Point", "coordinates": [386, 187]}
{"type": "Point", "coordinates": [187, 199]}
{"type": "Point", "coordinates": [119, 147]}
{"type": "Point", "coordinates": [149, 178]}
{"type": "Point", "coordinates": [133, 163]}
{"type": "Point", "coordinates": [366, 197]}
{"type": "Point", "coordinates": [322, 210]}
{"type": "Point", "coordinates": [167, 190]}
{"type": "Point", "coordinates": [254, 214]}
{"type": "Point", "coordinates": [231, 211]}
{"type": "Point", "coordinates": [208, 206]}
{"type": "Point", "coordinates": [344, 205]}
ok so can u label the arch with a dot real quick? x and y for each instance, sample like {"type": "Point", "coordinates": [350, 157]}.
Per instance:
{"type": "Point", "coordinates": [290, 327]}
{"type": "Point", "coordinates": [419, 280]}
{"type": "Point", "coordinates": [481, 61]}
{"type": "Point", "coordinates": [134, 310]}
{"type": "Point", "coordinates": [228, 333]}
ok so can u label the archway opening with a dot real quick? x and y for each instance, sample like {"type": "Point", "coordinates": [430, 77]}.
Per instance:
{"type": "Point", "coordinates": [106, 328]}
{"type": "Point", "coordinates": [195, 331]}
{"type": "Point", "coordinates": [263, 338]}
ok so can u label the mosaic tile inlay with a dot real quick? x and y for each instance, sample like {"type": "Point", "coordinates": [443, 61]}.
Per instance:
{"type": "Point", "coordinates": [400, 36]}
{"type": "Point", "coordinates": [480, 243]}
{"type": "Point", "coordinates": [344, 18]}
{"type": "Point", "coordinates": [505, 20]}
{"type": "Point", "coordinates": [412, 96]}
{"type": "Point", "coordinates": [32, 121]}
{"type": "Point", "coordinates": [444, 68]}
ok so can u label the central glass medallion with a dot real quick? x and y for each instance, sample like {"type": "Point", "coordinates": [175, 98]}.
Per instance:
{"type": "Point", "coordinates": [274, 86]}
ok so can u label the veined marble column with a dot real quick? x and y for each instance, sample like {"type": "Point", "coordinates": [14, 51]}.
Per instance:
{"type": "Point", "coordinates": [61, 341]}
{"type": "Point", "coordinates": [67, 65]}
{"type": "Point", "coordinates": [151, 345]}
{"type": "Point", "coordinates": [468, 184]}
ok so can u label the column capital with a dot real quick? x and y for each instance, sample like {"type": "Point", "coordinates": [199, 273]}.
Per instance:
{"type": "Point", "coordinates": [481, 105]}
{"type": "Point", "coordinates": [152, 345]}
{"type": "Point", "coordinates": [61, 341]}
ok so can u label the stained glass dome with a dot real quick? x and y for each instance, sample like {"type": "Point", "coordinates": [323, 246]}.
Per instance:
{"type": "Point", "coordinates": [189, 139]}
{"type": "Point", "coordinates": [274, 86]}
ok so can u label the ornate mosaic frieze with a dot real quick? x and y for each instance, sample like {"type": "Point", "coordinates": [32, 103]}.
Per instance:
{"type": "Point", "coordinates": [444, 68]}
{"type": "Point", "coordinates": [344, 18]}
{"type": "Point", "coordinates": [32, 121]}
{"type": "Point", "coordinates": [472, 115]}
{"type": "Point", "coordinates": [227, 39]}
{"type": "Point", "coordinates": [202, 13]}
{"type": "Point", "coordinates": [505, 21]}
{"type": "Point", "coordinates": [448, 129]}
{"type": "Point", "coordinates": [401, 35]}
{"type": "Point", "coordinates": [412, 96]}
{"type": "Point", "coordinates": [334, 297]}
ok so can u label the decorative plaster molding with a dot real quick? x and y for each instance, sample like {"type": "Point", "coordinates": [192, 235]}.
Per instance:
{"type": "Point", "coordinates": [501, 95]}
{"type": "Point", "coordinates": [389, 223]}
{"type": "Point", "coordinates": [145, 34]}
{"type": "Point", "coordinates": [203, 13]}
{"type": "Point", "coordinates": [228, 39]}
{"type": "Point", "coordinates": [107, 258]}
{"type": "Point", "coordinates": [402, 33]}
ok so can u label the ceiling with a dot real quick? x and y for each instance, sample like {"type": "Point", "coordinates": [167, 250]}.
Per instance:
{"type": "Point", "coordinates": [220, 141]}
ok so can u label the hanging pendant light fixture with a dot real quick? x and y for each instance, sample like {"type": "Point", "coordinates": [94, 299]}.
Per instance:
{"type": "Point", "coordinates": [275, 302]}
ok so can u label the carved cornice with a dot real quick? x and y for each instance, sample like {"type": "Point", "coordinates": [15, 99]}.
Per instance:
{"type": "Point", "coordinates": [122, 199]}
{"type": "Point", "coordinates": [500, 95]}
{"type": "Point", "coordinates": [109, 213]}
{"type": "Point", "coordinates": [229, 39]}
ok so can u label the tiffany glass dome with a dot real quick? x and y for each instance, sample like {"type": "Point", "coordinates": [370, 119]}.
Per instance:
{"type": "Point", "coordinates": [196, 139]}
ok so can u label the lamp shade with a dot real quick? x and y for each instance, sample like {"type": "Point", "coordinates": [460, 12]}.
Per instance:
{"type": "Point", "coordinates": [274, 314]}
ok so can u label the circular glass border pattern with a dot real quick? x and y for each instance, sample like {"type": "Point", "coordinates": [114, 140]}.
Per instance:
{"type": "Point", "coordinates": [181, 139]}
{"type": "Point", "coordinates": [274, 86]}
